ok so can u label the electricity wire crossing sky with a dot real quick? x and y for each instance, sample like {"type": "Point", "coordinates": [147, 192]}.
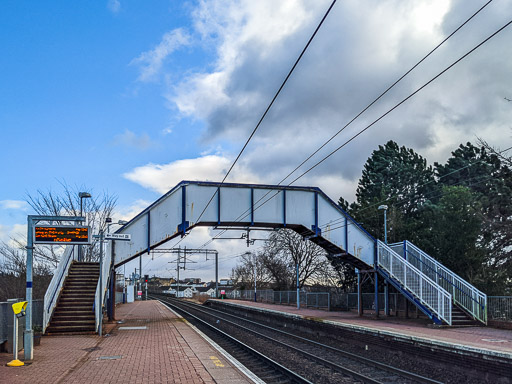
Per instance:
{"type": "Point", "coordinates": [131, 98]}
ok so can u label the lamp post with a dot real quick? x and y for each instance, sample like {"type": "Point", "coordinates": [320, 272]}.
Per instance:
{"type": "Point", "coordinates": [111, 306]}
{"type": "Point", "coordinates": [82, 195]}
{"type": "Point", "coordinates": [385, 209]}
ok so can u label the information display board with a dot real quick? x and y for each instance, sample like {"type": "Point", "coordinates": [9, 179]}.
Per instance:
{"type": "Point", "coordinates": [61, 234]}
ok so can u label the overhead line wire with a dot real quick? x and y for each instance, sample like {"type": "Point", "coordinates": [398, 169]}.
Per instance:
{"type": "Point", "coordinates": [271, 104]}
{"type": "Point", "coordinates": [403, 101]}
{"type": "Point", "coordinates": [429, 182]}
{"type": "Point", "coordinates": [367, 107]}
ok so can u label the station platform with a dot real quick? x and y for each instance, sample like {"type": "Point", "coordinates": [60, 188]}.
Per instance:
{"type": "Point", "coordinates": [148, 344]}
{"type": "Point", "coordinates": [481, 340]}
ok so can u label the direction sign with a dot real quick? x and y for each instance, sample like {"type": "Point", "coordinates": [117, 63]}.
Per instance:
{"type": "Point", "coordinates": [118, 236]}
{"type": "Point", "coordinates": [61, 234]}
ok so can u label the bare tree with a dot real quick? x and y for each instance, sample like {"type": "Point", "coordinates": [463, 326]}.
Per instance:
{"type": "Point", "coordinates": [294, 250]}
{"type": "Point", "coordinates": [46, 257]}
{"type": "Point", "coordinates": [243, 274]}
{"type": "Point", "coordinates": [96, 209]}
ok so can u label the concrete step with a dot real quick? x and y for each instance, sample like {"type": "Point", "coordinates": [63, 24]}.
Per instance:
{"type": "Point", "coordinates": [74, 307]}
{"type": "Point", "coordinates": [73, 323]}
{"type": "Point", "coordinates": [70, 329]}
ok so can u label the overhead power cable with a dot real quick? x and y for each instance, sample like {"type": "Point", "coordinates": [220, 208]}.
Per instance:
{"type": "Point", "coordinates": [372, 103]}
{"type": "Point", "coordinates": [427, 183]}
{"type": "Point", "coordinates": [270, 105]}
{"type": "Point", "coordinates": [393, 108]}
{"type": "Point", "coordinates": [386, 91]}
{"type": "Point", "coordinates": [403, 101]}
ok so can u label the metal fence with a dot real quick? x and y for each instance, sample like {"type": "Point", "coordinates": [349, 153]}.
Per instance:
{"type": "Point", "coordinates": [324, 300]}
{"type": "Point", "coordinates": [6, 317]}
{"type": "Point", "coordinates": [499, 308]}
{"type": "Point", "coordinates": [308, 299]}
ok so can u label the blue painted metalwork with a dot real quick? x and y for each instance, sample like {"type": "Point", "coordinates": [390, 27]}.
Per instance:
{"type": "Point", "coordinates": [314, 227]}
{"type": "Point", "coordinates": [376, 276]}
{"type": "Point", "coordinates": [346, 234]}
{"type": "Point", "coordinates": [29, 284]}
{"type": "Point", "coordinates": [284, 208]}
{"type": "Point", "coordinates": [218, 205]}
{"type": "Point", "coordinates": [182, 228]}
{"type": "Point", "coordinates": [411, 298]}
{"type": "Point", "coordinates": [149, 232]}
{"type": "Point", "coordinates": [252, 206]}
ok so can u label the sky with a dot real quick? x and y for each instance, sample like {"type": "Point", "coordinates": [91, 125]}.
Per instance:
{"type": "Point", "coordinates": [131, 97]}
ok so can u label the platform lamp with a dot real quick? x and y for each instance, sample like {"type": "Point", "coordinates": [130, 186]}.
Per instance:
{"type": "Point", "coordinates": [82, 196]}
{"type": "Point", "coordinates": [385, 209]}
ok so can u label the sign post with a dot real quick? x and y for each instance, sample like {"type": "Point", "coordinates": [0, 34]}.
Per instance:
{"type": "Point", "coordinates": [32, 220]}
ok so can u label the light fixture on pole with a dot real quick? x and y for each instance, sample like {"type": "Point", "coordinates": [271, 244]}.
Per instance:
{"type": "Point", "coordinates": [109, 223]}
{"type": "Point", "coordinates": [385, 209]}
{"type": "Point", "coordinates": [82, 195]}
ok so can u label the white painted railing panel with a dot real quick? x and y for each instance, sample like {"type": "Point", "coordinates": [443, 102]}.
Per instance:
{"type": "Point", "coordinates": [268, 206]}
{"type": "Point", "coordinates": [463, 293]}
{"type": "Point", "coordinates": [99, 298]}
{"type": "Point", "coordinates": [427, 291]}
{"type": "Point", "coordinates": [55, 286]}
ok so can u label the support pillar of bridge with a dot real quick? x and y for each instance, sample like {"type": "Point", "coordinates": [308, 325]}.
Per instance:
{"type": "Point", "coordinates": [376, 281]}
{"type": "Point", "coordinates": [359, 294]}
{"type": "Point", "coordinates": [386, 298]}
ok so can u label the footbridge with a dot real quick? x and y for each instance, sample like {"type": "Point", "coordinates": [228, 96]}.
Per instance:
{"type": "Point", "coordinates": [432, 288]}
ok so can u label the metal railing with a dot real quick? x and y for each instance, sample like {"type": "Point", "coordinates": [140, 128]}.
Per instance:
{"type": "Point", "coordinates": [500, 308]}
{"type": "Point", "coordinates": [307, 299]}
{"type": "Point", "coordinates": [463, 293]}
{"type": "Point", "coordinates": [55, 286]}
{"type": "Point", "coordinates": [99, 298]}
{"type": "Point", "coordinates": [424, 289]}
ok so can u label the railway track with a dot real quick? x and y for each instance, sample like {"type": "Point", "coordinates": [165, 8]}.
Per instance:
{"type": "Point", "coordinates": [314, 361]}
{"type": "Point", "coordinates": [265, 368]}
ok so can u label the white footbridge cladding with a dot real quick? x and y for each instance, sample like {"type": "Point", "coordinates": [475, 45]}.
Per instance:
{"type": "Point", "coordinates": [306, 210]}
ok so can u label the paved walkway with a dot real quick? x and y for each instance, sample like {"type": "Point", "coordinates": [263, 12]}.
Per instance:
{"type": "Point", "coordinates": [151, 345]}
{"type": "Point", "coordinates": [481, 339]}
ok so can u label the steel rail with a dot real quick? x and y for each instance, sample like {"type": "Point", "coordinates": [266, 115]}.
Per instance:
{"type": "Point", "coordinates": [292, 376]}
{"type": "Point", "coordinates": [350, 355]}
{"type": "Point", "coordinates": [329, 364]}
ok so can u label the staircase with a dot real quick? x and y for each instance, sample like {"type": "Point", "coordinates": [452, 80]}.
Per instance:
{"type": "Point", "coordinates": [461, 319]}
{"type": "Point", "coordinates": [469, 304]}
{"type": "Point", "coordinates": [74, 313]}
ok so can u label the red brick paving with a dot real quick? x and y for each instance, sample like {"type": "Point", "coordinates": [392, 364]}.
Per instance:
{"type": "Point", "coordinates": [167, 351]}
{"type": "Point", "coordinates": [484, 338]}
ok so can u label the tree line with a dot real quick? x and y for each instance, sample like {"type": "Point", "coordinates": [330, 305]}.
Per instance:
{"type": "Point", "coordinates": [459, 212]}
{"type": "Point", "coordinates": [46, 257]}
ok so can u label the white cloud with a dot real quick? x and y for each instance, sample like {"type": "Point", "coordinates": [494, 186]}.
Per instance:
{"type": "Point", "coordinates": [114, 6]}
{"type": "Point", "coordinates": [162, 177]}
{"type": "Point", "coordinates": [15, 231]}
{"type": "Point", "coordinates": [131, 139]}
{"type": "Point", "coordinates": [14, 204]}
{"type": "Point", "coordinates": [359, 51]}
{"type": "Point", "coordinates": [151, 62]}
{"type": "Point", "coordinates": [129, 212]}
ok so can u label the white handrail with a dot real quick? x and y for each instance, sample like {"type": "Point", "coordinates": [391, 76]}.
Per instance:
{"type": "Point", "coordinates": [463, 293]}
{"type": "Point", "coordinates": [104, 270]}
{"type": "Point", "coordinates": [53, 291]}
{"type": "Point", "coordinates": [430, 294]}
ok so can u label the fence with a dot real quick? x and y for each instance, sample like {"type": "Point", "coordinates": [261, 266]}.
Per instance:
{"type": "Point", "coordinates": [499, 308]}
{"type": "Point", "coordinates": [324, 300]}
{"type": "Point", "coordinates": [308, 299]}
{"type": "Point", "coordinates": [6, 317]}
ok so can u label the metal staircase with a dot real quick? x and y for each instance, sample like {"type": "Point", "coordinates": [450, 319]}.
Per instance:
{"type": "Point", "coordinates": [470, 304]}
{"type": "Point", "coordinates": [74, 312]}
{"type": "Point", "coordinates": [426, 294]}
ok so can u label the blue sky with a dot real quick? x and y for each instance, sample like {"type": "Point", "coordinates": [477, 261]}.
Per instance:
{"type": "Point", "coordinates": [131, 97]}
